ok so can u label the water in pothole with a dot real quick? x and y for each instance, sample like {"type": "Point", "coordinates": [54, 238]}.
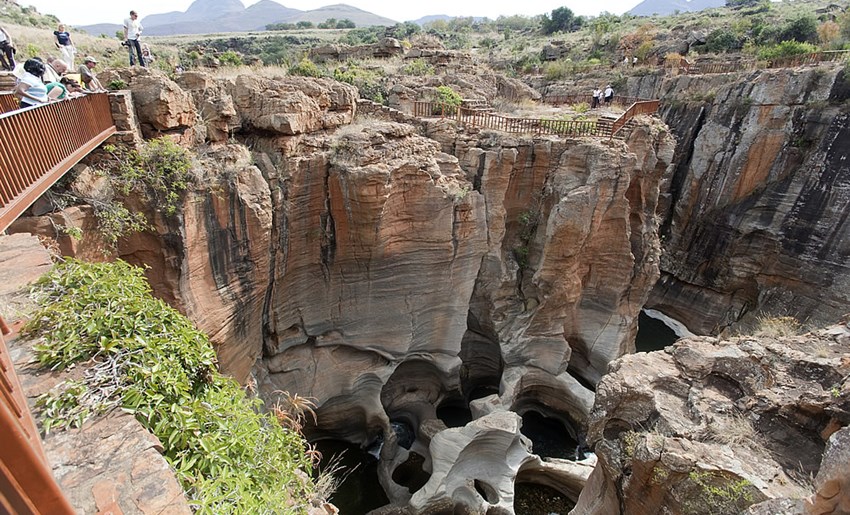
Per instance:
{"type": "Point", "coordinates": [360, 491]}
{"type": "Point", "coordinates": [549, 437]}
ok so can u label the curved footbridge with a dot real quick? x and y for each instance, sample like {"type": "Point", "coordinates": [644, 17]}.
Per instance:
{"type": "Point", "coordinates": [40, 144]}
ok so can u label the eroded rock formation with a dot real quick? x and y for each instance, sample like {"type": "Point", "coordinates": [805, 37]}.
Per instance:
{"type": "Point", "coordinates": [713, 426]}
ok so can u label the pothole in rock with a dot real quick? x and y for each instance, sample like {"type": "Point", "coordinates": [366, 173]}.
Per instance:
{"type": "Point", "coordinates": [653, 334]}
{"type": "Point", "coordinates": [454, 414]}
{"type": "Point", "coordinates": [359, 491]}
{"type": "Point", "coordinates": [550, 438]}
{"type": "Point", "coordinates": [404, 433]}
{"type": "Point", "coordinates": [410, 474]}
{"type": "Point", "coordinates": [536, 499]}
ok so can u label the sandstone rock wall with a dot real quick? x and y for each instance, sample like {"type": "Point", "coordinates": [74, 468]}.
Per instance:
{"type": "Point", "coordinates": [755, 220]}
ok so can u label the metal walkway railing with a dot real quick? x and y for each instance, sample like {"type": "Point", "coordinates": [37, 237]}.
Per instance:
{"type": "Point", "coordinates": [40, 144]}
{"type": "Point", "coordinates": [602, 128]}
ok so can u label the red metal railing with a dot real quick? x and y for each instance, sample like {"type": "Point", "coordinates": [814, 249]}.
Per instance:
{"type": "Point", "coordinates": [588, 99]}
{"type": "Point", "coordinates": [638, 108]}
{"type": "Point", "coordinates": [41, 143]}
{"type": "Point", "coordinates": [26, 482]}
{"type": "Point", "coordinates": [787, 62]}
{"type": "Point", "coordinates": [486, 119]}
{"type": "Point", "coordinates": [536, 126]}
{"type": "Point", "coordinates": [8, 102]}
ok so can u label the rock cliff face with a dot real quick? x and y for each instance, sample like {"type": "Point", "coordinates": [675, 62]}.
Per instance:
{"type": "Point", "coordinates": [388, 274]}
{"type": "Point", "coordinates": [757, 216]}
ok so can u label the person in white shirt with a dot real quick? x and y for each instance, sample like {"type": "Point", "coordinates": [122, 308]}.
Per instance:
{"type": "Point", "coordinates": [132, 33]}
{"type": "Point", "coordinates": [30, 88]}
{"type": "Point", "coordinates": [609, 94]}
{"type": "Point", "coordinates": [597, 96]}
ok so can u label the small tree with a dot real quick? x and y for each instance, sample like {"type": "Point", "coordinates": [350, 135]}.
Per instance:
{"type": "Point", "coordinates": [804, 29]}
{"type": "Point", "coordinates": [562, 20]}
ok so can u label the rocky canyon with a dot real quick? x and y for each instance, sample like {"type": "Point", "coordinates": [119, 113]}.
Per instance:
{"type": "Point", "coordinates": [393, 269]}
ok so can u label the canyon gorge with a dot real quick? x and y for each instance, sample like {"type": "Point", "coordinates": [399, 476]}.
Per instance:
{"type": "Point", "coordinates": [401, 270]}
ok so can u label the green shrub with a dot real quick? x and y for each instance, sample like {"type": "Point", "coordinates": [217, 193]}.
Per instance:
{"type": "Point", "coordinates": [305, 68]}
{"type": "Point", "coordinates": [230, 58]}
{"type": "Point", "coordinates": [448, 99]}
{"type": "Point", "coordinates": [721, 40]}
{"type": "Point", "coordinates": [115, 85]}
{"type": "Point", "coordinates": [160, 170]}
{"type": "Point", "coordinates": [418, 67]}
{"type": "Point", "coordinates": [148, 359]}
{"type": "Point", "coordinates": [367, 82]}
{"type": "Point", "coordinates": [785, 49]}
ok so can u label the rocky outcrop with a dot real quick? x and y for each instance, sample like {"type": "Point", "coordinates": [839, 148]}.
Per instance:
{"type": "Point", "coordinates": [717, 425]}
{"type": "Point", "coordinates": [756, 218]}
{"type": "Point", "coordinates": [389, 270]}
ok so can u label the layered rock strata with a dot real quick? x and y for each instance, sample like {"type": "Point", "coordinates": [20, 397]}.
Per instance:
{"type": "Point", "coordinates": [756, 222]}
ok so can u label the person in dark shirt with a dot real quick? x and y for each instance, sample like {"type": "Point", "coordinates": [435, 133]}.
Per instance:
{"type": "Point", "coordinates": [62, 40]}
{"type": "Point", "coordinates": [7, 51]}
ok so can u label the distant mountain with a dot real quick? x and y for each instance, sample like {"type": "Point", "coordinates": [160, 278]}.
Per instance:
{"type": "Point", "coordinates": [360, 17]}
{"type": "Point", "coordinates": [444, 17]}
{"type": "Point", "coordinates": [664, 7]}
{"type": "Point", "coordinates": [209, 16]}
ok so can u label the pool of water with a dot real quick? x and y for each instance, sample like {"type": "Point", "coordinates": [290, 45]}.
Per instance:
{"type": "Point", "coordinates": [360, 490]}
{"type": "Point", "coordinates": [549, 437]}
{"type": "Point", "coordinates": [653, 334]}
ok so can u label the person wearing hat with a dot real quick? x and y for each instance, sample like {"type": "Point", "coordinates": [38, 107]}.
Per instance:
{"type": "Point", "coordinates": [87, 75]}
{"type": "Point", "coordinates": [132, 33]}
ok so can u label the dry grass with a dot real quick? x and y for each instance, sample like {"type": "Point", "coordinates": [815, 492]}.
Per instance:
{"type": "Point", "coordinates": [777, 327]}
{"type": "Point", "coordinates": [734, 430]}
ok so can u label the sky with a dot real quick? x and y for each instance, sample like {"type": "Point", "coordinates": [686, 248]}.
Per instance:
{"type": "Point", "coordinates": [89, 12]}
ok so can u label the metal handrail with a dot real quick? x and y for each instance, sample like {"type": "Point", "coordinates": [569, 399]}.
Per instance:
{"type": "Point", "coordinates": [9, 102]}
{"type": "Point", "coordinates": [486, 119]}
{"type": "Point", "coordinates": [40, 144]}
{"type": "Point", "coordinates": [638, 108]}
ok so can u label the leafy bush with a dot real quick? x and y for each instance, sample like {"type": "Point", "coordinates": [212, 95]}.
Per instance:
{"type": "Point", "coordinates": [161, 171]}
{"type": "Point", "coordinates": [785, 49]}
{"type": "Point", "coordinates": [803, 29]}
{"type": "Point", "coordinates": [448, 98]}
{"type": "Point", "coordinates": [230, 58]}
{"type": "Point", "coordinates": [721, 40]}
{"type": "Point", "coordinates": [115, 85]}
{"type": "Point", "coordinates": [305, 68]}
{"type": "Point", "coordinates": [367, 82]}
{"type": "Point", "coordinates": [418, 67]}
{"type": "Point", "coordinates": [148, 359]}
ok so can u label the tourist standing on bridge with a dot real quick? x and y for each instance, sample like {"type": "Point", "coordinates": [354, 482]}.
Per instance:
{"type": "Point", "coordinates": [7, 51]}
{"type": "Point", "coordinates": [30, 88]}
{"type": "Point", "coordinates": [609, 95]}
{"type": "Point", "coordinates": [597, 95]}
{"type": "Point", "coordinates": [132, 33]}
{"type": "Point", "coordinates": [62, 40]}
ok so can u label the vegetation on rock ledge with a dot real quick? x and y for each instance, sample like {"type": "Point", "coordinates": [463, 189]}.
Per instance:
{"type": "Point", "coordinates": [148, 359]}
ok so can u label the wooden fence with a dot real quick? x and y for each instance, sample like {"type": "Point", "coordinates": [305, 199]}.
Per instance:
{"type": "Point", "coordinates": [41, 143]}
